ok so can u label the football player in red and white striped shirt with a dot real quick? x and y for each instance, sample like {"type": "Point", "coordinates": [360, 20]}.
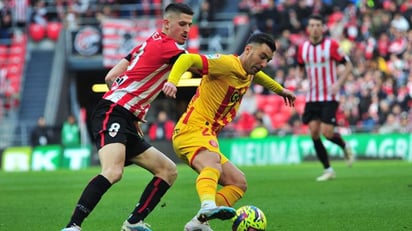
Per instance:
{"type": "Point", "coordinates": [319, 58]}
{"type": "Point", "coordinates": [134, 83]}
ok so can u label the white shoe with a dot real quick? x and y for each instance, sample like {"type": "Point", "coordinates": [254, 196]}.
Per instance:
{"type": "Point", "coordinates": [196, 225]}
{"type": "Point", "coordinates": [327, 175]}
{"type": "Point", "coordinates": [347, 153]}
{"type": "Point", "coordinates": [139, 226]}
{"type": "Point", "coordinates": [72, 228]}
{"type": "Point", "coordinates": [219, 212]}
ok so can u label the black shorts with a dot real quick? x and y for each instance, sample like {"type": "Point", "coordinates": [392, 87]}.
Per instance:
{"type": "Point", "coordinates": [112, 123]}
{"type": "Point", "coordinates": [323, 111]}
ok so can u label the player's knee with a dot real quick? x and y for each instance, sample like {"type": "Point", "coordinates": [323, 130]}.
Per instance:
{"type": "Point", "coordinates": [168, 173]}
{"type": "Point", "coordinates": [113, 175]}
{"type": "Point", "coordinates": [172, 173]}
{"type": "Point", "coordinates": [328, 135]}
{"type": "Point", "coordinates": [243, 185]}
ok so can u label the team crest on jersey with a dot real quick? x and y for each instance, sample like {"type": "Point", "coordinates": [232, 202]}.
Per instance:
{"type": "Point", "coordinates": [236, 96]}
{"type": "Point", "coordinates": [114, 129]}
{"type": "Point", "coordinates": [213, 143]}
{"type": "Point", "coordinates": [212, 56]}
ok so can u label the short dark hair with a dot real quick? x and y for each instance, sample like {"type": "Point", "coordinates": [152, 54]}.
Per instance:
{"type": "Point", "coordinates": [179, 8]}
{"type": "Point", "coordinates": [262, 38]}
{"type": "Point", "coordinates": [317, 17]}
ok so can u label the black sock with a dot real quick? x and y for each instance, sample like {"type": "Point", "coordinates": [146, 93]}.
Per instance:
{"type": "Point", "coordinates": [321, 153]}
{"type": "Point", "coordinates": [151, 196]}
{"type": "Point", "coordinates": [88, 200]}
{"type": "Point", "coordinates": [337, 139]}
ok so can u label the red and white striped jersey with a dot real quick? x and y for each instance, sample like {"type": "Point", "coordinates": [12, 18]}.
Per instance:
{"type": "Point", "coordinates": [320, 61]}
{"type": "Point", "coordinates": [148, 70]}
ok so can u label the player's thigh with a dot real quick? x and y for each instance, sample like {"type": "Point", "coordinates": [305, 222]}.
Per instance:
{"type": "Point", "coordinates": [329, 118]}
{"type": "Point", "coordinates": [112, 156]}
{"type": "Point", "coordinates": [189, 141]}
{"type": "Point", "coordinates": [311, 112]}
{"type": "Point", "coordinates": [314, 128]}
{"type": "Point", "coordinates": [232, 175]}
{"type": "Point", "coordinates": [327, 130]}
{"type": "Point", "coordinates": [205, 158]}
{"type": "Point", "coordinates": [154, 161]}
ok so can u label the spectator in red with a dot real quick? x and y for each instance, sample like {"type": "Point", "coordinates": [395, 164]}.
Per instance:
{"type": "Point", "coordinates": [162, 128]}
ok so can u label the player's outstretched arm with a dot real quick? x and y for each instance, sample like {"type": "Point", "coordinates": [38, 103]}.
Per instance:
{"type": "Point", "coordinates": [182, 64]}
{"type": "Point", "coordinates": [288, 96]}
{"type": "Point", "coordinates": [263, 79]}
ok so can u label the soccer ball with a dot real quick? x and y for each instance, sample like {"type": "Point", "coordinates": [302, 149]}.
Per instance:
{"type": "Point", "coordinates": [249, 218]}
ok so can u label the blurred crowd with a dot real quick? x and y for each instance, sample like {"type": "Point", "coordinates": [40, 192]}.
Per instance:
{"type": "Point", "coordinates": [376, 34]}
{"type": "Point", "coordinates": [17, 17]}
{"type": "Point", "coordinates": [18, 13]}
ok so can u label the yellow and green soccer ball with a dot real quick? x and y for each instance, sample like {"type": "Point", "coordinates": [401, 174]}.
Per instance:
{"type": "Point", "coordinates": [249, 218]}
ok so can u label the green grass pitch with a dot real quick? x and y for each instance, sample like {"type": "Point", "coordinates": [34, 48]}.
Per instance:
{"type": "Point", "coordinates": [372, 195]}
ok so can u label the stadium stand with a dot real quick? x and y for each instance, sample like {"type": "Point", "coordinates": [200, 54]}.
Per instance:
{"type": "Point", "coordinates": [378, 39]}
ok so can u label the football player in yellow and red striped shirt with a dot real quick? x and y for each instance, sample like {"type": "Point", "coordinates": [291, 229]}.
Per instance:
{"type": "Point", "coordinates": [225, 80]}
